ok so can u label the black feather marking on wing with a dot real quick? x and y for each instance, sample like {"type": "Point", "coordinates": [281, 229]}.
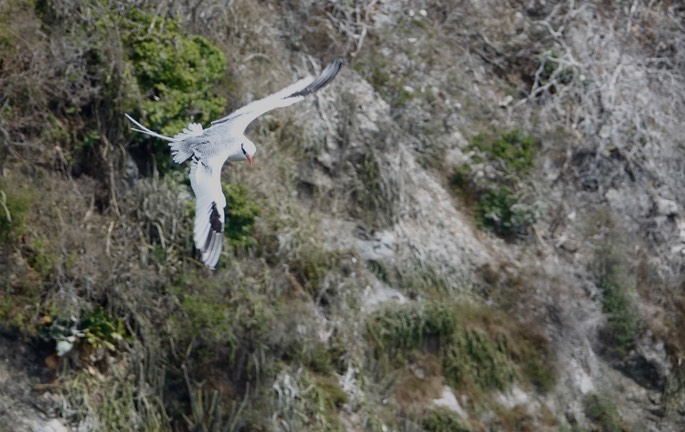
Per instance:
{"type": "Point", "coordinates": [326, 76]}
{"type": "Point", "coordinates": [231, 116]}
{"type": "Point", "coordinates": [216, 225]}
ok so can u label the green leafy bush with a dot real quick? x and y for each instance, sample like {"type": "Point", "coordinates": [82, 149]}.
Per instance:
{"type": "Point", "coordinates": [208, 319]}
{"type": "Point", "coordinates": [100, 329]}
{"type": "Point", "coordinates": [241, 215]}
{"type": "Point", "coordinates": [600, 409]}
{"type": "Point", "coordinates": [147, 64]}
{"type": "Point", "coordinates": [112, 57]}
{"type": "Point", "coordinates": [96, 328]}
{"type": "Point", "coordinates": [177, 68]}
{"type": "Point", "coordinates": [513, 151]}
{"type": "Point", "coordinates": [494, 210]}
{"type": "Point", "coordinates": [443, 420]}
{"type": "Point", "coordinates": [175, 73]}
{"type": "Point", "coordinates": [507, 159]}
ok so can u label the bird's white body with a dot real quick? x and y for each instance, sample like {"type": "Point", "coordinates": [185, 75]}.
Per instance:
{"type": "Point", "coordinates": [225, 140]}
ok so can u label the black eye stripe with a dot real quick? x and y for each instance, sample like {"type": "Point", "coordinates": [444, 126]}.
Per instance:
{"type": "Point", "coordinates": [243, 149]}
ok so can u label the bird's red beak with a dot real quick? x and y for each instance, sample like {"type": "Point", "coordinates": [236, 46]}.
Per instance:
{"type": "Point", "coordinates": [249, 159]}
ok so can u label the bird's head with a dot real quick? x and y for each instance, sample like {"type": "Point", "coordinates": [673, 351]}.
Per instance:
{"type": "Point", "coordinates": [246, 152]}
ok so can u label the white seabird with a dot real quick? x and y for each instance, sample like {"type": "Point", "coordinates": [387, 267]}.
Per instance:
{"type": "Point", "coordinates": [225, 140]}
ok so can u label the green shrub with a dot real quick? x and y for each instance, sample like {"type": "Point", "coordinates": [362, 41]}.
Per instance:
{"type": "Point", "coordinates": [179, 69]}
{"type": "Point", "coordinates": [100, 329]}
{"type": "Point", "coordinates": [443, 420]}
{"type": "Point", "coordinates": [241, 215]}
{"type": "Point", "coordinates": [174, 71]}
{"type": "Point", "coordinates": [209, 320]}
{"type": "Point", "coordinates": [600, 409]}
{"type": "Point", "coordinates": [111, 58]}
{"type": "Point", "coordinates": [513, 151]}
{"type": "Point", "coordinates": [461, 177]}
{"type": "Point", "coordinates": [499, 204]}
{"type": "Point", "coordinates": [229, 325]}
{"type": "Point", "coordinates": [622, 322]}
{"type": "Point", "coordinates": [497, 211]}
{"type": "Point", "coordinates": [95, 327]}
{"type": "Point", "coordinates": [14, 207]}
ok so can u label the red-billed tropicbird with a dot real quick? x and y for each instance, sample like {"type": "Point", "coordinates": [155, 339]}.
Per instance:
{"type": "Point", "coordinates": [225, 140]}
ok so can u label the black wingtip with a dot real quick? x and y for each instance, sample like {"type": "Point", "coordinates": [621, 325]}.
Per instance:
{"type": "Point", "coordinates": [324, 78]}
{"type": "Point", "coordinates": [216, 225]}
{"type": "Point", "coordinates": [211, 249]}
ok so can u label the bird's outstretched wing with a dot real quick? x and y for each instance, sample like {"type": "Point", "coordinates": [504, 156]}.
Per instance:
{"type": "Point", "coordinates": [208, 232]}
{"type": "Point", "coordinates": [283, 98]}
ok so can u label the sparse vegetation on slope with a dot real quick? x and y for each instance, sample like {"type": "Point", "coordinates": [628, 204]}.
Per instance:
{"type": "Point", "coordinates": [601, 410]}
{"type": "Point", "coordinates": [616, 280]}
{"type": "Point", "coordinates": [15, 201]}
{"type": "Point", "coordinates": [499, 205]}
{"type": "Point", "coordinates": [443, 420]}
{"type": "Point", "coordinates": [355, 295]}
{"type": "Point", "coordinates": [480, 349]}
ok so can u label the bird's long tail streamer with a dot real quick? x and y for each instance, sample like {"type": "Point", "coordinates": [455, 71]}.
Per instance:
{"type": "Point", "coordinates": [147, 131]}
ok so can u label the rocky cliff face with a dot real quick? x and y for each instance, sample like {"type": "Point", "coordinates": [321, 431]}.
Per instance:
{"type": "Point", "coordinates": [476, 226]}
